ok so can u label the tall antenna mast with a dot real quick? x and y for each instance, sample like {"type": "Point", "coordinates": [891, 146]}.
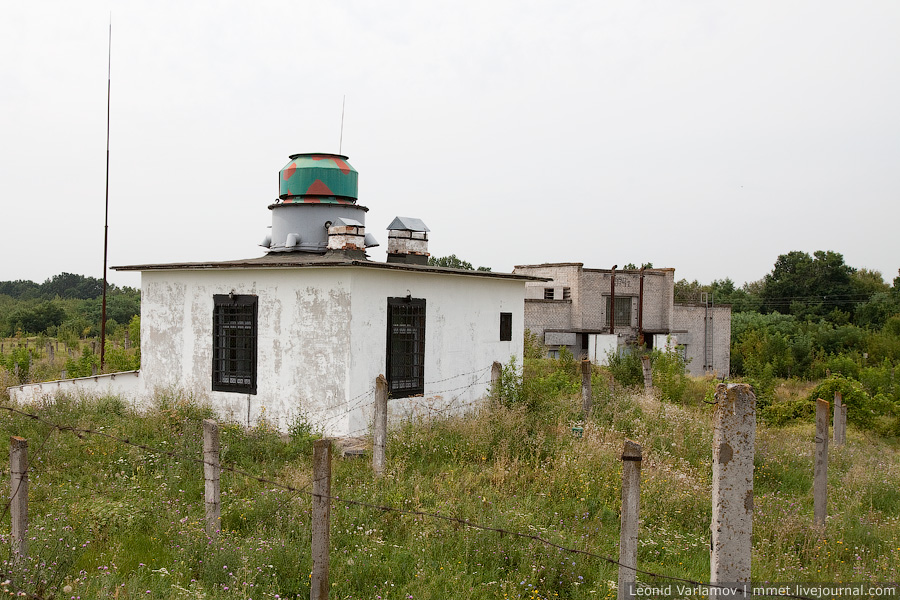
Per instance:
{"type": "Point", "coordinates": [106, 211]}
{"type": "Point", "coordinates": [341, 143]}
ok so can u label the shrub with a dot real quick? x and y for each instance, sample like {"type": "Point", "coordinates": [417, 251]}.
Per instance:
{"type": "Point", "coordinates": [625, 366]}
{"type": "Point", "coordinates": [861, 410]}
{"type": "Point", "coordinates": [782, 413]}
{"type": "Point", "coordinates": [843, 364]}
{"type": "Point", "coordinates": [669, 375]}
{"type": "Point", "coordinates": [18, 358]}
{"type": "Point", "coordinates": [538, 383]}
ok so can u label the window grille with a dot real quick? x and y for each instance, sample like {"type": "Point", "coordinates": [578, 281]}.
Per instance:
{"type": "Point", "coordinates": [567, 293]}
{"type": "Point", "coordinates": [234, 343]}
{"type": "Point", "coordinates": [505, 327]}
{"type": "Point", "coordinates": [623, 311]}
{"type": "Point", "coordinates": [548, 293]}
{"type": "Point", "coordinates": [406, 347]}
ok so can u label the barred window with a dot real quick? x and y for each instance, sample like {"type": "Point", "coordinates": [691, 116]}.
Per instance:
{"type": "Point", "coordinates": [548, 293]}
{"type": "Point", "coordinates": [406, 347]}
{"type": "Point", "coordinates": [505, 327]}
{"type": "Point", "coordinates": [567, 293]}
{"type": "Point", "coordinates": [234, 343]}
{"type": "Point", "coordinates": [623, 311]}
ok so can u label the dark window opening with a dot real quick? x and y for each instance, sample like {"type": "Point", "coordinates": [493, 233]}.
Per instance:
{"type": "Point", "coordinates": [234, 343]}
{"type": "Point", "coordinates": [623, 311]}
{"type": "Point", "coordinates": [505, 327]}
{"type": "Point", "coordinates": [548, 293]}
{"type": "Point", "coordinates": [406, 347]}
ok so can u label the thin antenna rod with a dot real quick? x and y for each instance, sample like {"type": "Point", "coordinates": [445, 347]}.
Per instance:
{"type": "Point", "coordinates": [341, 143]}
{"type": "Point", "coordinates": [106, 211]}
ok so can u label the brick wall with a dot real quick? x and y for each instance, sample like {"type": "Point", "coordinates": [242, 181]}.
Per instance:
{"type": "Point", "coordinates": [690, 327]}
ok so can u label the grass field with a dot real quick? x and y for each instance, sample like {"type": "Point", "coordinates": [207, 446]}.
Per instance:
{"type": "Point", "coordinates": [110, 520]}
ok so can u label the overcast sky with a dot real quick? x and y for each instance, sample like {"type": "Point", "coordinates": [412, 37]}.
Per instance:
{"type": "Point", "coordinates": [705, 136]}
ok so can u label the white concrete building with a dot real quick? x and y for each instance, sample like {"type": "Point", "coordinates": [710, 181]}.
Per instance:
{"type": "Point", "coordinates": [306, 329]}
{"type": "Point", "coordinates": [284, 335]}
{"type": "Point", "coordinates": [573, 308]}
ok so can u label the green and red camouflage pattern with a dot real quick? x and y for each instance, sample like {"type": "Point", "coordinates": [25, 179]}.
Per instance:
{"type": "Point", "coordinates": [318, 178]}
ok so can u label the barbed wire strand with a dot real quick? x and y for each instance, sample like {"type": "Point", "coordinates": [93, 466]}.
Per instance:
{"type": "Point", "coordinates": [81, 432]}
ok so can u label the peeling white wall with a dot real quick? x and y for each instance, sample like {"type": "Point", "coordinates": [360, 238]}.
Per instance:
{"type": "Point", "coordinates": [322, 339]}
{"type": "Point", "coordinates": [462, 337]}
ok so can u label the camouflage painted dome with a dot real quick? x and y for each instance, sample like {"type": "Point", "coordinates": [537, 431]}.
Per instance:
{"type": "Point", "coordinates": [318, 179]}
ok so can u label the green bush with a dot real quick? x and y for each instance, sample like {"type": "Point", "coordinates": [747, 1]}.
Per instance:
{"type": "Point", "coordinates": [669, 374]}
{"type": "Point", "coordinates": [84, 365]}
{"type": "Point", "coordinates": [17, 358]}
{"type": "Point", "coordinates": [861, 410]}
{"type": "Point", "coordinates": [539, 382]}
{"type": "Point", "coordinates": [843, 364]}
{"type": "Point", "coordinates": [119, 359]}
{"type": "Point", "coordinates": [625, 366]}
{"type": "Point", "coordinates": [782, 413]}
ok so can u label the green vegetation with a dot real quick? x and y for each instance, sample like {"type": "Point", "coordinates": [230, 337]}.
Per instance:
{"type": "Point", "coordinates": [66, 306]}
{"type": "Point", "coordinates": [113, 520]}
{"type": "Point", "coordinates": [65, 312]}
{"type": "Point", "coordinates": [815, 319]}
{"type": "Point", "coordinates": [453, 262]}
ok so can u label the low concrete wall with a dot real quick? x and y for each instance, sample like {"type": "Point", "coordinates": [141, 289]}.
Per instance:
{"type": "Point", "coordinates": [126, 383]}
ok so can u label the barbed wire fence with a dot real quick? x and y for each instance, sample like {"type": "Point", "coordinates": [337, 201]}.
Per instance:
{"type": "Point", "coordinates": [319, 476]}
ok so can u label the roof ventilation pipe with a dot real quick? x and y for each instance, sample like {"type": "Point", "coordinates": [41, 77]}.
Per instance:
{"type": "Point", "coordinates": [408, 241]}
{"type": "Point", "coordinates": [346, 234]}
{"type": "Point", "coordinates": [313, 189]}
{"type": "Point", "coordinates": [292, 240]}
{"type": "Point", "coordinates": [371, 242]}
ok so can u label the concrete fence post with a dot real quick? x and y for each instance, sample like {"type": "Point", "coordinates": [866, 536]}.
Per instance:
{"type": "Point", "coordinates": [211, 477]}
{"type": "Point", "coordinates": [628, 533]}
{"type": "Point", "coordinates": [379, 443]}
{"type": "Point", "coordinates": [820, 482]}
{"type": "Point", "coordinates": [843, 423]}
{"type": "Point", "coordinates": [18, 496]}
{"type": "Point", "coordinates": [648, 373]}
{"type": "Point", "coordinates": [496, 373]}
{"type": "Point", "coordinates": [839, 424]}
{"type": "Point", "coordinates": [734, 437]}
{"type": "Point", "coordinates": [50, 351]}
{"type": "Point", "coordinates": [586, 396]}
{"type": "Point", "coordinates": [321, 519]}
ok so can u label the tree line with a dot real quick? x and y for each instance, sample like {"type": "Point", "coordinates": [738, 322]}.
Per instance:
{"type": "Point", "coordinates": [65, 306]}
{"type": "Point", "coordinates": [813, 317]}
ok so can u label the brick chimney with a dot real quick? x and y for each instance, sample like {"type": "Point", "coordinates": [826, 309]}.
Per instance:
{"type": "Point", "coordinates": [408, 241]}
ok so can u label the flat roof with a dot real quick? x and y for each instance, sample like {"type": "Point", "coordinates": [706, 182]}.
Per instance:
{"type": "Point", "coordinates": [295, 260]}
{"type": "Point", "coordinates": [578, 264]}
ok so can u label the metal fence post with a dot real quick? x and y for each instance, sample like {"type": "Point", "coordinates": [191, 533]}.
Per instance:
{"type": "Point", "coordinates": [321, 519]}
{"type": "Point", "coordinates": [211, 475]}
